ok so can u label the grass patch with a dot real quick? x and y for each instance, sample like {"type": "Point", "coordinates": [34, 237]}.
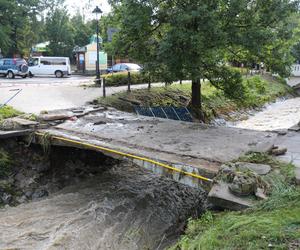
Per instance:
{"type": "Point", "coordinates": [259, 228]}
{"type": "Point", "coordinates": [271, 224]}
{"type": "Point", "coordinates": [285, 171]}
{"type": "Point", "coordinates": [8, 112]}
{"type": "Point", "coordinates": [259, 90]}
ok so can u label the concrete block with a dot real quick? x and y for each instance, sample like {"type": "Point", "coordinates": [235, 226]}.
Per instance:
{"type": "Point", "coordinates": [221, 196]}
{"type": "Point", "coordinates": [24, 122]}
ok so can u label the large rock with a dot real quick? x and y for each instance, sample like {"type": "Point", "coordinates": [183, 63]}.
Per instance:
{"type": "Point", "coordinates": [220, 196]}
{"type": "Point", "coordinates": [243, 185]}
{"type": "Point", "coordinates": [260, 169]}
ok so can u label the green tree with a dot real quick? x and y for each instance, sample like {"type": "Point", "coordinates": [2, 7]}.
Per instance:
{"type": "Point", "coordinates": [197, 39]}
{"type": "Point", "coordinates": [59, 32]}
{"type": "Point", "coordinates": [21, 24]}
{"type": "Point", "coordinates": [82, 30]}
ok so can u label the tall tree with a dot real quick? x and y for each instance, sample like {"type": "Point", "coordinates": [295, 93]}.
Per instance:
{"type": "Point", "coordinates": [197, 39]}
{"type": "Point", "coordinates": [82, 30]}
{"type": "Point", "coordinates": [20, 25]}
{"type": "Point", "coordinates": [59, 32]}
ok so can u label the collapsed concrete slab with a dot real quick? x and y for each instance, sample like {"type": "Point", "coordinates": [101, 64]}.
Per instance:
{"type": "Point", "coordinates": [15, 133]}
{"type": "Point", "coordinates": [191, 147]}
{"type": "Point", "coordinates": [220, 196]}
{"type": "Point", "coordinates": [17, 123]}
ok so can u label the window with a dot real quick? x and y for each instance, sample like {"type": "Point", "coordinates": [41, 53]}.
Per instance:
{"type": "Point", "coordinates": [7, 62]}
{"type": "Point", "coordinates": [45, 62]}
{"type": "Point", "coordinates": [53, 61]}
{"type": "Point", "coordinates": [1, 62]}
{"type": "Point", "coordinates": [116, 67]}
{"type": "Point", "coordinates": [124, 67]}
{"type": "Point", "coordinates": [58, 61]}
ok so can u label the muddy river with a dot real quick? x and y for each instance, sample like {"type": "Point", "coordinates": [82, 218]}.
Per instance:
{"type": "Point", "coordinates": [282, 114]}
{"type": "Point", "coordinates": [123, 207]}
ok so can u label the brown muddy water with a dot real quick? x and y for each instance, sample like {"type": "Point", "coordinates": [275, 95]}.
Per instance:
{"type": "Point", "coordinates": [282, 114]}
{"type": "Point", "coordinates": [93, 203]}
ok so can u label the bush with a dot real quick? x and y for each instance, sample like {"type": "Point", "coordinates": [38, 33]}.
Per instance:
{"type": "Point", "coordinates": [118, 79]}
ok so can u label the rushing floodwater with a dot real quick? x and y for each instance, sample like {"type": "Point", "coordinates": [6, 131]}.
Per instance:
{"type": "Point", "coordinates": [124, 208]}
{"type": "Point", "coordinates": [279, 115]}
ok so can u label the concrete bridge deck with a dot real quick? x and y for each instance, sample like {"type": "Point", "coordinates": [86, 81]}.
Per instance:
{"type": "Point", "coordinates": [195, 148]}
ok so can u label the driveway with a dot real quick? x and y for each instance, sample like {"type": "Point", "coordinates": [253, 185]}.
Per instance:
{"type": "Point", "coordinates": [50, 93]}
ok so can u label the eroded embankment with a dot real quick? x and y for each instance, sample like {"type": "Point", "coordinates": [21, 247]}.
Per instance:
{"type": "Point", "coordinates": [77, 199]}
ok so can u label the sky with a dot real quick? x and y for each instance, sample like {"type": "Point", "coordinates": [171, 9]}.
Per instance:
{"type": "Point", "coordinates": [87, 6]}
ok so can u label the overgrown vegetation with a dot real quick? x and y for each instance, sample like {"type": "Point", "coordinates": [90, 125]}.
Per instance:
{"type": "Point", "coordinates": [8, 112]}
{"type": "Point", "coordinates": [258, 91]}
{"type": "Point", "coordinates": [272, 224]}
{"type": "Point", "coordinates": [5, 164]}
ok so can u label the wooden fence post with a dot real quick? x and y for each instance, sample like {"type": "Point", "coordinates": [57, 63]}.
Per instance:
{"type": "Point", "coordinates": [129, 82]}
{"type": "Point", "coordinates": [104, 85]}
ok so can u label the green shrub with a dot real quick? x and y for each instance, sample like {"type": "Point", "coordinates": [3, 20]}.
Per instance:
{"type": "Point", "coordinates": [7, 112]}
{"type": "Point", "coordinates": [117, 79]}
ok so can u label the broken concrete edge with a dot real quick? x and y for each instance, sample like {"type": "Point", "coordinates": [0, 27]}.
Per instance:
{"type": "Point", "coordinates": [152, 166]}
{"type": "Point", "coordinates": [15, 133]}
{"type": "Point", "coordinates": [221, 197]}
{"type": "Point", "coordinates": [64, 114]}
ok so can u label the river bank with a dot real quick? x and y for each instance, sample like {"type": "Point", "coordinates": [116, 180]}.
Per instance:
{"type": "Point", "coordinates": [259, 90]}
{"type": "Point", "coordinates": [271, 224]}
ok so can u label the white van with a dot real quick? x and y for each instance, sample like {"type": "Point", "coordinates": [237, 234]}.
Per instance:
{"type": "Point", "coordinates": [44, 65]}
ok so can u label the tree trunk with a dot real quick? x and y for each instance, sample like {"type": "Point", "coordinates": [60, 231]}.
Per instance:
{"type": "Point", "coordinates": [149, 83]}
{"type": "Point", "coordinates": [196, 93]}
{"type": "Point", "coordinates": [196, 102]}
{"type": "Point", "coordinates": [129, 82]}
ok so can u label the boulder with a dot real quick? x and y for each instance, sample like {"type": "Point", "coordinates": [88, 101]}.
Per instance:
{"type": "Point", "coordinates": [39, 194]}
{"type": "Point", "coordinates": [260, 169]}
{"type": "Point", "coordinates": [278, 151]}
{"type": "Point", "coordinates": [243, 185]}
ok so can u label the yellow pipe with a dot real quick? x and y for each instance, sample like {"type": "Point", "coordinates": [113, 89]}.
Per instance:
{"type": "Point", "coordinates": [129, 156]}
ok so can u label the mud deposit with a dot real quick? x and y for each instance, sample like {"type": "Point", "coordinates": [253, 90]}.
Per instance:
{"type": "Point", "coordinates": [93, 202]}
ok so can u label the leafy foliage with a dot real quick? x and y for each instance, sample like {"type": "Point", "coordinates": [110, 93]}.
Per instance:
{"type": "Point", "coordinates": [196, 39]}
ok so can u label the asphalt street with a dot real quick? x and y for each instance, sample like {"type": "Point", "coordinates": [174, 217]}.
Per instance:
{"type": "Point", "coordinates": [50, 93]}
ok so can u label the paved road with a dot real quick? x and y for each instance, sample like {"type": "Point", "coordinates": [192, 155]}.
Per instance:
{"type": "Point", "coordinates": [50, 93]}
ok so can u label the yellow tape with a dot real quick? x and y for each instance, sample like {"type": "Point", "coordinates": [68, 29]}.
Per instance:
{"type": "Point", "coordinates": [129, 156]}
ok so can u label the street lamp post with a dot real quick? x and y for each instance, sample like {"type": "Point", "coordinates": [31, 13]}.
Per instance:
{"type": "Point", "coordinates": [98, 12]}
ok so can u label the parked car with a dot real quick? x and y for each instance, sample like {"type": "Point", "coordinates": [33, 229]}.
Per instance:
{"type": "Point", "coordinates": [11, 67]}
{"type": "Point", "coordinates": [58, 66]}
{"type": "Point", "coordinates": [121, 67]}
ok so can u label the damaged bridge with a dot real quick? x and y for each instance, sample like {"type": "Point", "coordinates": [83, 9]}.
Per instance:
{"type": "Point", "coordinates": [189, 153]}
